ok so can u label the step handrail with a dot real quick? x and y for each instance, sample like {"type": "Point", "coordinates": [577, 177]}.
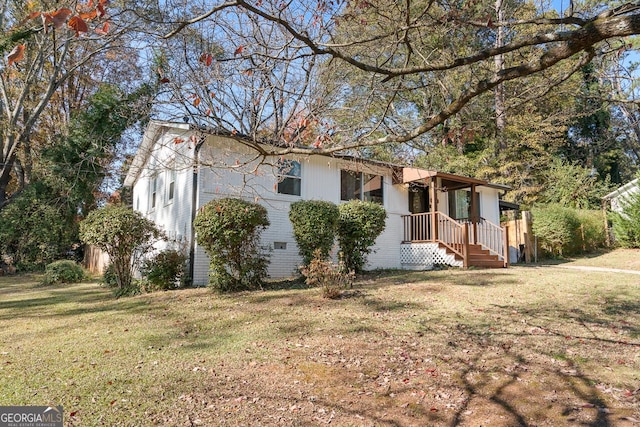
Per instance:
{"type": "Point", "coordinates": [453, 235]}
{"type": "Point", "coordinates": [491, 237]}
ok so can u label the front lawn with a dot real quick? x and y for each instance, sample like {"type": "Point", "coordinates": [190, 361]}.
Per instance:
{"type": "Point", "coordinates": [522, 346]}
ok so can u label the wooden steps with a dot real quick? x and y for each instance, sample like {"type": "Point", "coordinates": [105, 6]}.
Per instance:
{"type": "Point", "coordinates": [478, 257]}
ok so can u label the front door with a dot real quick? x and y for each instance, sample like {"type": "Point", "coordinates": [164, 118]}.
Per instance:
{"type": "Point", "coordinates": [419, 204]}
{"type": "Point", "coordinates": [418, 198]}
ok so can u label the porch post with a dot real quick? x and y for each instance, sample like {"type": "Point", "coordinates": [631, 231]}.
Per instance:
{"type": "Point", "coordinates": [474, 217]}
{"type": "Point", "coordinates": [465, 245]}
{"type": "Point", "coordinates": [433, 206]}
{"type": "Point", "coordinates": [505, 245]}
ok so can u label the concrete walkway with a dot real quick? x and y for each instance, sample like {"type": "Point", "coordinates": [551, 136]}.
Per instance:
{"type": "Point", "coordinates": [598, 269]}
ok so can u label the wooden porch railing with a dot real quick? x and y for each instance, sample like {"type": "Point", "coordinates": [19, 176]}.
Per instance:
{"type": "Point", "coordinates": [448, 231]}
{"type": "Point", "coordinates": [491, 236]}
{"type": "Point", "coordinates": [454, 234]}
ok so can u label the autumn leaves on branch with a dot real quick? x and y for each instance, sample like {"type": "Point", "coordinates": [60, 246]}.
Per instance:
{"type": "Point", "coordinates": [78, 22]}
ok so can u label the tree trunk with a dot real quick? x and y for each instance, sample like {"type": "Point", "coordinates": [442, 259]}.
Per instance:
{"type": "Point", "coordinates": [498, 94]}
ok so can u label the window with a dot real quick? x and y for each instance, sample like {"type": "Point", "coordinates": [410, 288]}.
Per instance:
{"type": "Point", "coordinates": [153, 191]}
{"type": "Point", "coordinates": [349, 185]}
{"type": "Point", "coordinates": [460, 204]}
{"type": "Point", "coordinates": [361, 186]}
{"type": "Point", "coordinates": [289, 177]}
{"type": "Point", "coordinates": [172, 183]}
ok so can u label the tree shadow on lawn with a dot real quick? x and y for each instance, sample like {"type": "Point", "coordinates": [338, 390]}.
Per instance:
{"type": "Point", "coordinates": [81, 299]}
{"type": "Point", "coordinates": [479, 381]}
{"type": "Point", "coordinates": [564, 397]}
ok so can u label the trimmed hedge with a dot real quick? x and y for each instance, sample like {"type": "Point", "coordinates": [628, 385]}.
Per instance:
{"type": "Point", "coordinates": [314, 228]}
{"type": "Point", "coordinates": [359, 226]}
{"type": "Point", "coordinates": [229, 230]}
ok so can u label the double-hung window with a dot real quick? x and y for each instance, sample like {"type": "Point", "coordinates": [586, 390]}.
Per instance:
{"type": "Point", "coordinates": [153, 191]}
{"type": "Point", "coordinates": [171, 187]}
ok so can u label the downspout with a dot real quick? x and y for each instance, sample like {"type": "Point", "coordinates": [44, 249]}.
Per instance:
{"type": "Point", "coordinates": [194, 207]}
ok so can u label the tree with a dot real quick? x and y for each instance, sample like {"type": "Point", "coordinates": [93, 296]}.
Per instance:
{"type": "Point", "coordinates": [67, 179]}
{"type": "Point", "coordinates": [573, 186]}
{"type": "Point", "coordinates": [125, 235]}
{"type": "Point", "coordinates": [76, 165]}
{"type": "Point", "coordinates": [227, 74]}
{"type": "Point", "coordinates": [56, 46]}
{"type": "Point", "coordinates": [35, 229]}
{"type": "Point", "coordinates": [385, 46]}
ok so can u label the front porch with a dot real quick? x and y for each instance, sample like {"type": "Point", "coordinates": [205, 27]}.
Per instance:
{"type": "Point", "coordinates": [435, 238]}
{"type": "Point", "coordinates": [446, 224]}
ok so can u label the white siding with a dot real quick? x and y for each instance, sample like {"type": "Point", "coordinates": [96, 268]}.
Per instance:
{"type": "Point", "coordinates": [228, 170]}
{"type": "Point", "coordinates": [172, 216]}
{"type": "Point", "coordinates": [320, 181]}
{"type": "Point", "coordinates": [489, 207]}
{"type": "Point", "coordinates": [620, 197]}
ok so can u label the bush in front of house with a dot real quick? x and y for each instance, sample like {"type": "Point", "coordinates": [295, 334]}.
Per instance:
{"type": "Point", "coordinates": [63, 271]}
{"type": "Point", "coordinates": [125, 235]}
{"type": "Point", "coordinates": [626, 224]}
{"type": "Point", "coordinates": [314, 227]}
{"type": "Point", "coordinates": [165, 270]}
{"type": "Point", "coordinates": [359, 225]}
{"type": "Point", "coordinates": [229, 230]}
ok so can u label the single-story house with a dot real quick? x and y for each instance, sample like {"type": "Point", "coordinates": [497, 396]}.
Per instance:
{"type": "Point", "coordinates": [433, 217]}
{"type": "Point", "coordinates": [618, 197]}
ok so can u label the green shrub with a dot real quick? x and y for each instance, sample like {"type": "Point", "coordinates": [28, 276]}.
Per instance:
{"type": "Point", "coordinates": [566, 231]}
{"type": "Point", "coordinates": [314, 227]}
{"type": "Point", "coordinates": [63, 271]}
{"type": "Point", "coordinates": [109, 277]}
{"type": "Point", "coordinates": [229, 230]}
{"type": "Point", "coordinates": [165, 270]}
{"type": "Point", "coordinates": [134, 288]}
{"type": "Point", "coordinates": [110, 280]}
{"type": "Point", "coordinates": [34, 231]}
{"type": "Point", "coordinates": [626, 225]}
{"type": "Point", "coordinates": [556, 228]}
{"type": "Point", "coordinates": [592, 233]}
{"type": "Point", "coordinates": [331, 278]}
{"type": "Point", "coordinates": [359, 225]}
{"type": "Point", "coordinates": [125, 235]}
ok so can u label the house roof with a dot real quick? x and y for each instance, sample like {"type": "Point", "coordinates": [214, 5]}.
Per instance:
{"type": "Point", "coordinates": [401, 173]}
{"type": "Point", "coordinates": [621, 190]}
{"type": "Point", "coordinates": [508, 206]}
{"type": "Point", "coordinates": [144, 150]}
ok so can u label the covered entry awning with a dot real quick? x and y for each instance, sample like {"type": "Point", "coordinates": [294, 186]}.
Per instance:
{"type": "Point", "coordinates": [448, 181]}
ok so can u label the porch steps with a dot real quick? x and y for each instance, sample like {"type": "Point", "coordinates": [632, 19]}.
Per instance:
{"type": "Point", "coordinates": [479, 257]}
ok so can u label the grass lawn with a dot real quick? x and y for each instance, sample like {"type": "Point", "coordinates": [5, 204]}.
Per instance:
{"type": "Point", "coordinates": [625, 259]}
{"type": "Point", "coordinates": [523, 346]}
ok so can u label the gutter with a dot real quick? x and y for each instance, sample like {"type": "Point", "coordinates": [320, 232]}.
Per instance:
{"type": "Point", "coordinates": [194, 206]}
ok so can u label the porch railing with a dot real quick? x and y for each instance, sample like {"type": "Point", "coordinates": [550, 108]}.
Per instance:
{"type": "Point", "coordinates": [448, 231]}
{"type": "Point", "coordinates": [456, 235]}
{"type": "Point", "coordinates": [491, 236]}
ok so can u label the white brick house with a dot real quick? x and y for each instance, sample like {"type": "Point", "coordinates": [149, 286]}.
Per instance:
{"type": "Point", "coordinates": [179, 167]}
